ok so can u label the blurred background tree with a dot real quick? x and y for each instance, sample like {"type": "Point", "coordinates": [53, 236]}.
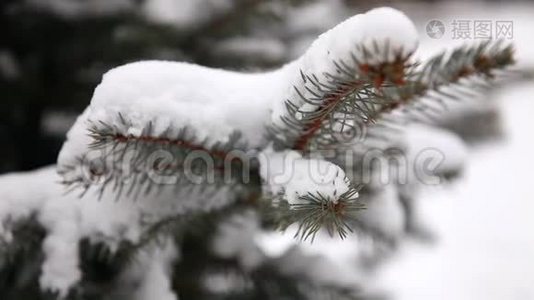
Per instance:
{"type": "Point", "coordinates": [53, 53]}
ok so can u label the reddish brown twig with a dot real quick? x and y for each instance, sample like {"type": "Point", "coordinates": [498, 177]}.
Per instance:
{"type": "Point", "coordinates": [393, 71]}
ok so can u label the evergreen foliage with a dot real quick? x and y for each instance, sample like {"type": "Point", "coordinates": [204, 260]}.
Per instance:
{"type": "Point", "coordinates": [358, 96]}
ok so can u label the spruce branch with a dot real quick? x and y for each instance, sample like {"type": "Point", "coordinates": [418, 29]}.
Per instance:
{"type": "Point", "coordinates": [361, 94]}
{"type": "Point", "coordinates": [463, 73]}
{"type": "Point", "coordinates": [316, 211]}
{"type": "Point", "coordinates": [452, 75]}
{"type": "Point", "coordinates": [129, 163]}
{"type": "Point", "coordinates": [460, 73]}
{"type": "Point", "coordinates": [341, 101]}
{"type": "Point", "coordinates": [371, 98]}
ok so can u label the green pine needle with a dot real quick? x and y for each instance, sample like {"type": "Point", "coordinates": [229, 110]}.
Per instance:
{"type": "Point", "coordinates": [317, 211]}
{"type": "Point", "coordinates": [359, 95]}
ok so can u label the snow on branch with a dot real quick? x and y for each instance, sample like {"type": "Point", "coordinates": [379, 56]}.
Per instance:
{"type": "Point", "coordinates": [339, 74]}
{"type": "Point", "coordinates": [461, 73]}
{"type": "Point", "coordinates": [214, 104]}
{"type": "Point", "coordinates": [340, 91]}
{"type": "Point", "coordinates": [165, 127]}
{"type": "Point", "coordinates": [152, 119]}
{"type": "Point", "coordinates": [136, 163]}
{"type": "Point", "coordinates": [311, 192]}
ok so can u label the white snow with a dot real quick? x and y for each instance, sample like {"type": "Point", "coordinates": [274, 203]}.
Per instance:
{"type": "Point", "coordinates": [383, 212]}
{"type": "Point", "coordinates": [444, 147]}
{"type": "Point", "coordinates": [388, 28]}
{"type": "Point", "coordinates": [484, 225]}
{"type": "Point", "coordinates": [328, 260]}
{"type": "Point", "coordinates": [68, 219]}
{"type": "Point", "coordinates": [172, 95]}
{"type": "Point", "coordinates": [20, 201]}
{"type": "Point", "coordinates": [215, 103]}
{"type": "Point", "coordinates": [290, 174]}
{"type": "Point", "coordinates": [60, 267]}
{"type": "Point", "coordinates": [235, 239]}
{"type": "Point", "coordinates": [154, 269]}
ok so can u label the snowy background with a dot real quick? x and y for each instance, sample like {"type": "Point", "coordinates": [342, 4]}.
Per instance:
{"type": "Point", "coordinates": [484, 223]}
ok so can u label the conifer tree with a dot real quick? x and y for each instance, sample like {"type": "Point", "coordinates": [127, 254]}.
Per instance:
{"type": "Point", "coordinates": [174, 168]}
